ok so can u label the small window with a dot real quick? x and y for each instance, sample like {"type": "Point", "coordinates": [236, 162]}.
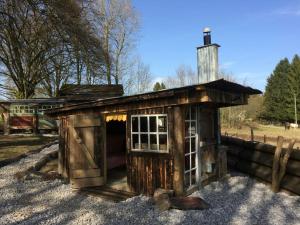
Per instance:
{"type": "Point", "coordinates": [149, 133]}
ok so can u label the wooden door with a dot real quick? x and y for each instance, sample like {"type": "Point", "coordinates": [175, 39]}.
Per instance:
{"type": "Point", "coordinates": [87, 151]}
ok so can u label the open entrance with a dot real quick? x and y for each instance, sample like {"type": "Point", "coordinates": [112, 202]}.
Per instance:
{"type": "Point", "coordinates": [116, 155]}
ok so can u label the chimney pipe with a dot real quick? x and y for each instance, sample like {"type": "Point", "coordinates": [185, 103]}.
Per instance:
{"type": "Point", "coordinates": [206, 36]}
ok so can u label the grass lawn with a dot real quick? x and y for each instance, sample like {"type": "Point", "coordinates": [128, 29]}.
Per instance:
{"type": "Point", "coordinates": [271, 132]}
{"type": "Point", "coordinates": [14, 145]}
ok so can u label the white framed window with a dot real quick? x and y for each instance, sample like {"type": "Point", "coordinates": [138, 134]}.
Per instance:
{"type": "Point", "coordinates": [149, 133]}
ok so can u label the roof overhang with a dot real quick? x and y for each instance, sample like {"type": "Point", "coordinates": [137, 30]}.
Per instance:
{"type": "Point", "coordinates": [220, 93]}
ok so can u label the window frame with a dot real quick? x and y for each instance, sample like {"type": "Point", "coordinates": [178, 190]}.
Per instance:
{"type": "Point", "coordinates": [148, 133]}
{"type": "Point", "coordinates": [189, 136]}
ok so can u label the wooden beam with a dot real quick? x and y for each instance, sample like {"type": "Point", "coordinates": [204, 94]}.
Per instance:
{"type": "Point", "coordinates": [6, 122]}
{"type": "Point", "coordinates": [84, 148]}
{"type": "Point", "coordinates": [178, 181]}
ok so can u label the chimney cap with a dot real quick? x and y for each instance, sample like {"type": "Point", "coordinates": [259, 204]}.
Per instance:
{"type": "Point", "coordinates": [206, 30]}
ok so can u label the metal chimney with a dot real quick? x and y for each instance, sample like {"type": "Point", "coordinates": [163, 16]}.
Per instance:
{"type": "Point", "coordinates": [207, 58]}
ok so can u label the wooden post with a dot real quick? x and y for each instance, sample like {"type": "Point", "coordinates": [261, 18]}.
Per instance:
{"type": "Point", "coordinates": [284, 161]}
{"type": "Point", "coordinates": [6, 122]}
{"type": "Point", "coordinates": [252, 134]}
{"type": "Point", "coordinates": [178, 182]}
{"type": "Point", "coordinates": [275, 168]}
{"type": "Point", "coordinates": [265, 138]}
{"type": "Point", "coordinates": [35, 122]}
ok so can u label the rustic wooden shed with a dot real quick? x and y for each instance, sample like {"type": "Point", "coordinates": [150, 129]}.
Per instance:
{"type": "Point", "coordinates": [167, 139]}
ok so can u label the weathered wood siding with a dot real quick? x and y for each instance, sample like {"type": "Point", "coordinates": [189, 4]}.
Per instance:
{"type": "Point", "coordinates": [63, 162]}
{"type": "Point", "coordinates": [256, 159]}
{"type": "Point", "coordinates": [147, 171]}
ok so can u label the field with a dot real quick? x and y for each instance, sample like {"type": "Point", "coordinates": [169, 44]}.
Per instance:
{"type": "Point", "coordinates": [270, 132]}
{"type": "Point", "coordinates": [14, 145]}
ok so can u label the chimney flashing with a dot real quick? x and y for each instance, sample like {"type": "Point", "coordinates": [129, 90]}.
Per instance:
{"type": "Point", "coordinates": [204, 46]}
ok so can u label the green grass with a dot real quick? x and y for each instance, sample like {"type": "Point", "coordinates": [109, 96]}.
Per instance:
{"type": "Point", "coordinates": [12, 146]}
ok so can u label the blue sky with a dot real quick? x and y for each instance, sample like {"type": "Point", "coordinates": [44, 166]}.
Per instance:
{"type": "Point", "coordinates": [254, 35]}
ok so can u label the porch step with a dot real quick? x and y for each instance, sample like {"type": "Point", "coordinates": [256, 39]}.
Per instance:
{"type": "Point", "coordinates": [108, 193]}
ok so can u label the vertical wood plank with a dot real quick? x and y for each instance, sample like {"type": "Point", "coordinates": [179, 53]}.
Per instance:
{"type": "Point", "coordinates": [178, 181]}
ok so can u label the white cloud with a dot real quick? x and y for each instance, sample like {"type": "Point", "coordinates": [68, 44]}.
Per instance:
{"type": "Point", "coordinates": [287, 12]}
{"type": "Point", "coordinates": [227, 65]}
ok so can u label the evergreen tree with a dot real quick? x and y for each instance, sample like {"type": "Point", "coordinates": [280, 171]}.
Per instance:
{"type": "Point", "coordinates": [156, 86]}
{"type": "Point", "coordinates": [277, 90]}
{"type": "Point", "coordinates": [294, 88]}
{"type": "Point", "coordinates": [159, 86]}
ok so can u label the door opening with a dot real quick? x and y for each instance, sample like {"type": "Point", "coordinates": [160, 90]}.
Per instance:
{"type": "Point", "coordinates": [116, 155]}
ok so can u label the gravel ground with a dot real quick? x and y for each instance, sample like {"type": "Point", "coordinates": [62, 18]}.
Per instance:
{"type": "Point", "coordinates": [237, 200]}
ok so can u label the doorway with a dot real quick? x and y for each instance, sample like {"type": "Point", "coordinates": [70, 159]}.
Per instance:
{"type": "Point", "coordinates": [191, 156]}
{"type": "Point", "coordinates": [116, 155]}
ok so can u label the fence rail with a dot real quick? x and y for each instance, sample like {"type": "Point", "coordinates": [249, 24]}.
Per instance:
{"type": "Point", "coordinates": [256, 159]}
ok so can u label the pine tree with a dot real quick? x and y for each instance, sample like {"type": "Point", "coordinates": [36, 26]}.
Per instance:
{"type": "Point", "coordinates": [294, 88]}
{"type": "Point", "coordinates": [157, 86]}
{"type": "Point", "coordinates": [277, 90]}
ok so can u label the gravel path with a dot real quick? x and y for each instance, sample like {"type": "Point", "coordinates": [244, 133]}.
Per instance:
{"type": "Point", "coordinates": [238, 200]}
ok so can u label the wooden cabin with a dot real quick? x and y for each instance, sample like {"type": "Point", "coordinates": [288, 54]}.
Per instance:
{"type": "Point", "coordinates": [28, 114]}
{"type": "Point", "coordinates": [167, 139]}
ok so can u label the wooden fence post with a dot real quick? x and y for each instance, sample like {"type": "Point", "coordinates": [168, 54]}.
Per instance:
{"type": "Point", "coordinates": [252, 134]}
{"type": "Point", "coordinates": [265, 138]}
{"type": "Point", "coordinates": [284, 161]}
{"type": "Point", "coordinates": [275, 168]}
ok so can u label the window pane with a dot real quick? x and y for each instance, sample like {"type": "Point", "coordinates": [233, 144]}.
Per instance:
{"type": "Point", "coordinates": [153, 142]}
{"type": "Point", "coordinates": [193, 160]}
{"type": "Point", "coordinates": [192, 129]}
{"type": "Point", "coordinates": [153, 124]}
{"type": "Point", "coordinates": [193, 176]}
{"type": "Point", "coordinates": [162, 124]}
{"type": "Point", "coordinates": [143, 124]}
{"type": "Point", "coordinates": [187, 162]}
{"type": "Point", "coordinates": [187, 179]}
{"type": "Point", "coordinates": [135, 124]}
{"type": "Point", "coordinates": [135, 141]}
{"type": "Point", "coordinates": [144, 141]}
{"type": "Point", "coordinates": [187, 145]}
{"type": "Point", "coordinates": [162, 142]}
{"type": "Point", "coordinates": [193, 144]}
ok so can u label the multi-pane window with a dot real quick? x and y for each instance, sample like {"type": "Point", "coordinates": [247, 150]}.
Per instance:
{"type": "Point", "coordinates": [21, 109]}
{"type": "Point", "coordinates": [191, 140]}
{"type": "Point", "coordinates": [149, 132]}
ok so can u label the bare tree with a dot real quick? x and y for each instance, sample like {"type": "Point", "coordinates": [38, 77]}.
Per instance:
{"type": "Point", "coordinates": [47, 43]}
{"type": "Point", "coordinates": [138, 80]}
{"type": "Point", "coordinates": [117, 24]}
{"type": "Point", "coordinates": [185, 75]}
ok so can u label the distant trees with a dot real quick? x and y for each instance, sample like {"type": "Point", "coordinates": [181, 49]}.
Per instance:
{"type": "Point", "coordinates": [45, 44]}
{"type": "Point", "coordinates": [283, 86]}
{"type": "Point", "coordinates": [159, 86]}
{"type": "Point", "coordinates": [185, 75]}
{"type": "Point", "coordinates": [117, 23]}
